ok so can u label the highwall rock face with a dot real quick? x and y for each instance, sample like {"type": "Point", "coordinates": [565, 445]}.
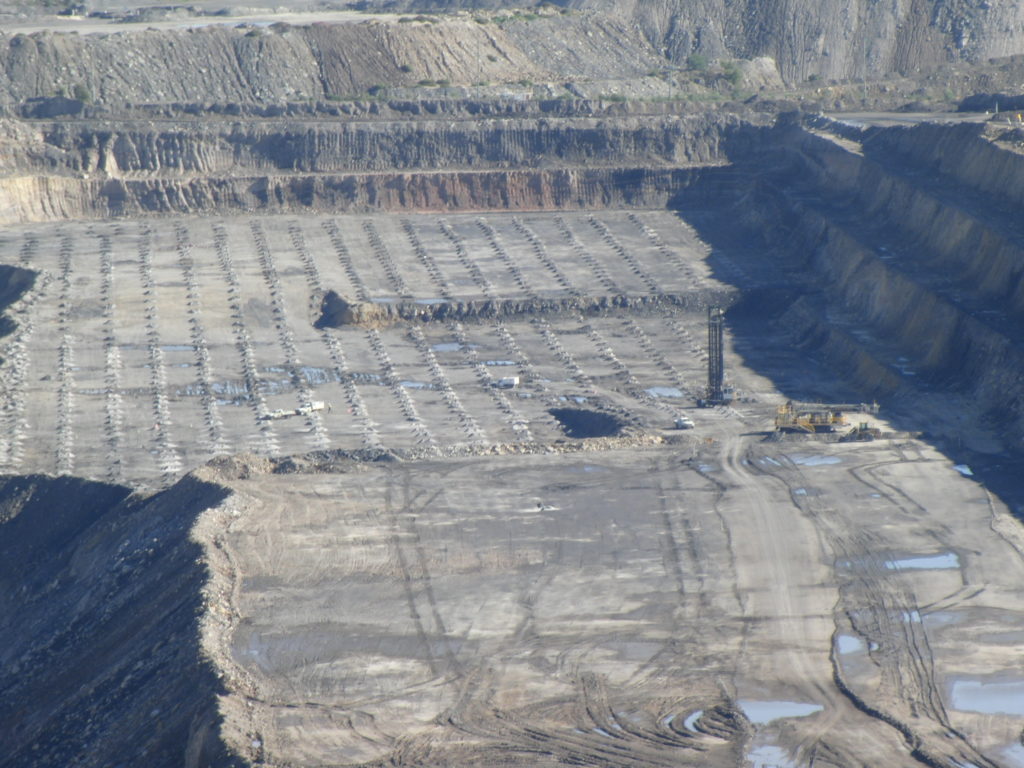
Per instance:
{"type": "Point", "coordinates": [42, 199]}
{"type": "Point", "coordinates": [911, 257]}
{"type": "Point", "coordinates": [87, 168]}
{"type": "Point", "coordinates": [221, 147]}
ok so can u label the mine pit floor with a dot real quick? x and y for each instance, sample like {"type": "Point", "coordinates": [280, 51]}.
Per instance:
{"type": "Point", "coordinates": [147, 348]}
{"type": "Point", "coordinates": [612, 607]}
{"type": "Point", "coordinates": [496, 588]}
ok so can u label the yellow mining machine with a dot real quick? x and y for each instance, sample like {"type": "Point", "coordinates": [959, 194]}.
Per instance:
{"type": "Point", "coordinates": [808, 418]}
{"type": "Point", "coordinates": [817, 417]}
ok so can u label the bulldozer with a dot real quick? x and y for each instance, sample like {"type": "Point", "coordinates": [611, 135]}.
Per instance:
{"type": "Point", "coordinates": [861, 433]}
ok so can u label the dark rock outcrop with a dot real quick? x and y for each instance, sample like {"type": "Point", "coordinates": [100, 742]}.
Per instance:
{"type": "Point", "coordinates": [100, 603]}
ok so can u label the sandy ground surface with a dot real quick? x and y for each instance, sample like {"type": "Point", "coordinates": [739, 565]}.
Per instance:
{"type": "Point", "coordinates": [728, 601]}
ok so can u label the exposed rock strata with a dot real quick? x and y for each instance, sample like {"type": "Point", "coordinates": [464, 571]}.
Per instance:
{"type": "Point", "coordinates": [920, 277]}
{"type": "Point", "coordinates": [72, 169]}
{"type": "Point", "coordinates": [394, 145]}
{"type": "Point", "coordinates": [50, 198]}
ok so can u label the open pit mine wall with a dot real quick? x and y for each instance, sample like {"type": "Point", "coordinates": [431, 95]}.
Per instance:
{"type": "Point", "coordinates": [941, 297]}
{"type": "Point", "coordinates": [216, 147]}
{"type": "Point", "coordinates": [840, 39]}
{"type": "Point", "coordinates": [55, 198]}
{"type": "Point", "coordinates": [223, 64]}
{"type": "Point", "coordinates": [86, 169]}
{"type": "Point", "coordinates": [101, 603]}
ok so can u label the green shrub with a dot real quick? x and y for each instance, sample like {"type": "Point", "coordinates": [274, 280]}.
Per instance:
{"type": "Point", "coordinates": [697, 62]}
{"type": "Point", "coordinates": [732, 72]}
{"type": "Point", "coordinates": [81, 93]}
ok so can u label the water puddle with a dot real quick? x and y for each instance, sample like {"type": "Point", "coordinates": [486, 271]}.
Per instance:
{"type": "Point", "coordinates": [692, 719]}
{"type": "Point", "coordinates": [964, 470]}
{"type": "Point", "coordinates": [814, 461]}
{"type": "Point", "coordinates": [1006, 698]}
{"type": "Point", "coordinates": [944, 560]}
{"type": "Point", "coordinates": [664, 392]}
{"type": "Point", "coordinates": [385, 300]}
{"type": "Point", "coordinates": [574, 398]}
{"type": "Point", "coordinates": [799, 491]}
{"type": "Point", "coordinates": [447, 346]}
{"type": "Point", "coordinates": [849, 644]}
{"type": "Point", "coordinates": [275, 387]}
{"type": "Point", "coordinates": [1014, 756]}
{"type": "Point", "coordinates": [769, 756]}
{"type": "Point", "coordinates": [667, 721]}
{"type": "Point", "coordinates": [938, 619]}
{"type": "Point", "coordinates": [415, 384]}
{"type": "Point", "coordinates": [769, 460]}
{"type": "Point", "coordinates": [603, 732]}
{"type": "Point", "coordinates": [222, 388]}
{"type": "Point", "coordinates": [764, 712]}
{"type": "Point", "coordinates": [315, 375]}
{"type": "Point", "coordinates": [365, 378]}
{"type": "Point", "coordinates": [587, 468]}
